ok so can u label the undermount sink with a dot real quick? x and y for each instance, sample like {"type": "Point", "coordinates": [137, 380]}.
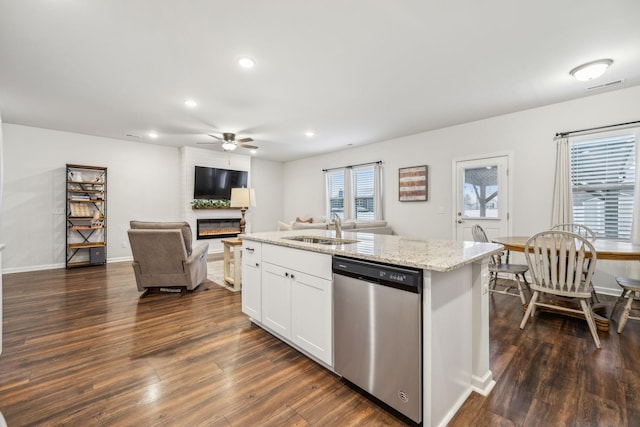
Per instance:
{"type": "Point", "coordinates": [321, 240]}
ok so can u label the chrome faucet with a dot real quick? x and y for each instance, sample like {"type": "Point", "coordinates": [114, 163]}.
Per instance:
{"type": "Point", "coordinates": [338, 223]}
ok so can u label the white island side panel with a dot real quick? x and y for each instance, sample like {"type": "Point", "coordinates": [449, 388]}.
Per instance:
{"type": "Point", "coordinates": [449, 346]}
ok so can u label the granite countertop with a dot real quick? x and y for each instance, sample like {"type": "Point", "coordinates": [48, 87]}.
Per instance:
{"type": "Point", "coordinates": [436, 255]}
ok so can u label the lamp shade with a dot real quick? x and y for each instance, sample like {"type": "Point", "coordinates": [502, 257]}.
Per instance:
{"type": "Point", "coordinates": [243, 197]}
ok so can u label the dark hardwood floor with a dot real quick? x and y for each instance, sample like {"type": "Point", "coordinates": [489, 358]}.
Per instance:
{"type": "Point", "coordinates": [82, 348]}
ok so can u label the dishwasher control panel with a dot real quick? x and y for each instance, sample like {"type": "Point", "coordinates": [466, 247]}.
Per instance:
{"type": "Point", "coordinates": [389, 275]}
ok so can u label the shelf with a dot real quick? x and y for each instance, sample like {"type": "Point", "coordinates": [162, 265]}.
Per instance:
{"type": "Point", "coordinates": [85, 227]}
{"type": "Point", "coordinates": [84, 218]}
{"type": "Point", "coordinates": [86, 215]}
{"type": "Point", "coordinates": [81, 264]}
{"type": "Point", "coordinates": [86, 191]}
{"type": "Point", "coordinates": [214, 207]}
{"type": "Point", "coordinates": [86, 245]}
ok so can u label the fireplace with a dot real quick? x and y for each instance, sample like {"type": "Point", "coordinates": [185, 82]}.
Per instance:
{"type": "Point", "coordinates": [218, 227]}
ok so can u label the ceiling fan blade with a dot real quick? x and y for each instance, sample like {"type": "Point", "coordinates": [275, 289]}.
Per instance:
{"type": "Point", "coordinates": [206, 143]}
{"type": "Point", "coordinates": [216, 137]}
{"type": "Point", "coordinates": [250, 147]}
{"type": "Point", "coordinates": [244, 140]}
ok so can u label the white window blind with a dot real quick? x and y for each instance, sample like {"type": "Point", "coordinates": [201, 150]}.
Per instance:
{"type": "Point", "coordinates": [335, 192]}
{"type": "Point", "coordinates": [603, 176]}
{"type": "Point", "coordinates": [363, 192]}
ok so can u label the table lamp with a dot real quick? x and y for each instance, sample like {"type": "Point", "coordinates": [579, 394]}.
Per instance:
{"type": "Point", "coordinates": [243, 198]}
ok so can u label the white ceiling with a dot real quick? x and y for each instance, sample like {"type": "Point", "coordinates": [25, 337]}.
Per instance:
{"type": "Point", "coordinates": [354, 71]}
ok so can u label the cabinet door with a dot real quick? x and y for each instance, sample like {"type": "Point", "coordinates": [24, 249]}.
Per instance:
{"type": "Point", "coordinates": [312, 315]}
{"type": "Point", "coordinates": [252, 280]}
{"type": "Point", "coordinates": [252, 290]}
{"type": "Point", "coordinates": [276, 299]}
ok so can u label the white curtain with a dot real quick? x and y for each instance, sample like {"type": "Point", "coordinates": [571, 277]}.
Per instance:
{"type": "Point", "coordinates": [562, 211]}
{"type": "Point", "coordinates": [378, 192]}
{"type": "Point", "coordinates": [633, 268]}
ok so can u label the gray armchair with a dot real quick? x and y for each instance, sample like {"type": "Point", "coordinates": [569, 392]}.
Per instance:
{"type": "Point", "coordinates": [163, 256]}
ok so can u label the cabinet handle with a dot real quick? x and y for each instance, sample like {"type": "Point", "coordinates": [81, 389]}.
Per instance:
{"type": "Point", "coordinates": [250, 250]}
{"type": "Point", "coordinates": [257, 265]}
{"type": "Point", "coordinates": [293, 277]}
{"type": "Point", "coordinates": [286, 274]}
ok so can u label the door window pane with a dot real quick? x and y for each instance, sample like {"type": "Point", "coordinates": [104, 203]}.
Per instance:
{"type": "Point", "coordinates": [480, 192]}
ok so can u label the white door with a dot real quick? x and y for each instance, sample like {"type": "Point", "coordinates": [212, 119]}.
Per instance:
{"type": "Point", "coordinates": [482, 196]}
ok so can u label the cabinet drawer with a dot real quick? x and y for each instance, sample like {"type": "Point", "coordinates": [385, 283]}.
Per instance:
{"type": "Point", "coordinates": [251, 252]}
{"type": "Point", "coordinates": [313, 263]}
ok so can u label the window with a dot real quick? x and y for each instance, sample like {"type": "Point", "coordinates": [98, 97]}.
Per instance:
{"type": "Point", "coordinates": [603, 176]}
{"type": "Point", "coordinates": [363, 193]}
{"type": "Point", "coordinates": [335, 192]}
{"type": "Point", "coordinates": [354, 192]}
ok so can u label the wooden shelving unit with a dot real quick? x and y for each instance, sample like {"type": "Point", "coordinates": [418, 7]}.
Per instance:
{"type": "Point", "coordinates": [86, 213]}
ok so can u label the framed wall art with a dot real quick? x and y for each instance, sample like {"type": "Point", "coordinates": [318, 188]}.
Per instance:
{"type": "Point", "coordinates": [413, 184]}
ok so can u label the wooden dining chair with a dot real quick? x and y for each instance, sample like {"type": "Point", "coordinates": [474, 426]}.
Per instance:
{"type": "Point", "coordinates": [630, 292]}
{"type": "Point", "coordinates": [556, 260]}
{"type": "Point", "coordinates": [579, 229]}
{"type": "Point", "coordinates": [587, 233]}
{"type": "Point", "coordinates": [499, 264]}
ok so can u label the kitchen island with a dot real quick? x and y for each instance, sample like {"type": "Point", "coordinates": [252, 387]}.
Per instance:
{"type": "Point", "coordinates": [288, 288]}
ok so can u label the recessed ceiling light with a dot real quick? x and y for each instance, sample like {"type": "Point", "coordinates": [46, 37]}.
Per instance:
{"type": "Point", "coordinates": [246, 62]}
{"type": "Point", "coordinates": [591, 70]}
{"type": "Point", "coordinates": [153, 134]}
{"type": "Point", "coordinates": [309, 134]}
{"type": "Point", "coordinates": [190, 103]}
{"type": "Point", "coordinates": [253, 151]}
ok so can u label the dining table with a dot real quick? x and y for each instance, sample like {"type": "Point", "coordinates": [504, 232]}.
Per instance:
{"type": "Point", "coordinates": [613, 250]}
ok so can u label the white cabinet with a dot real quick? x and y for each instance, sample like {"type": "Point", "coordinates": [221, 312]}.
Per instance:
{"type": "Point", "coordinates": [311, 316]}
{"type": "Point", "coordinates": [276, 299]}
{"type": "Point", "coordinates": [297, 298]}
{"type": "Point", "coordinates": [252, 279]}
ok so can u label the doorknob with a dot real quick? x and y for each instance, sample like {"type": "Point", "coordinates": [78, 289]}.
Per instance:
{"type": "Point", "coordinates": [460, 221]}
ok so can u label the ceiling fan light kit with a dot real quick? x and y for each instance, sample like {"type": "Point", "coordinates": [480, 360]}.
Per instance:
{"type": "Point", "coordinates": [230, 143]}
{"type": "Point", "coordinates": [229, 146]}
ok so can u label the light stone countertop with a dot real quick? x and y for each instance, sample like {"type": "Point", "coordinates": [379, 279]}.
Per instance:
{"type": "Point", "coordinates": [436, 255]}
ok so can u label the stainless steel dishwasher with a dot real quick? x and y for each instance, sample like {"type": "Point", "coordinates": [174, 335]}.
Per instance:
{"type": "Point", "coordinates": [378, 331]}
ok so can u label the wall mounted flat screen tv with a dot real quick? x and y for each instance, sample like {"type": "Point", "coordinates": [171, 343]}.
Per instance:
{"type": "Point", "coordinates": [214, 183]}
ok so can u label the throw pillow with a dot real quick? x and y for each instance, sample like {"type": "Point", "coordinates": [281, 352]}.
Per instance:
{"type": "Point", "coordinates": [309, 220]}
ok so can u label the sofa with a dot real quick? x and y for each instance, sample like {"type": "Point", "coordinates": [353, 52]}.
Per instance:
{"type": "Point", "coordinates": [163, 255]}
{"type": "Point", "coordinates": [320, 222]}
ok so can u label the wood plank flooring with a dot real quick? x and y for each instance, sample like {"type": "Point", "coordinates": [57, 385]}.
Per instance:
{"type": "Point", "coordinates": [81, 348]}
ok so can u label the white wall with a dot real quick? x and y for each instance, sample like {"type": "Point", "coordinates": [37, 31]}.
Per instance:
{"type": "Point", "coordinates": [528, 135]}
{"type": "Point", "coordinates": [145, 182]}
{"type": "Point", "coordinates": [192, 157]}
{"type": "Point", "coordinates": [142, 184]}
{"type": "Point", "coordinates": [266, 179]}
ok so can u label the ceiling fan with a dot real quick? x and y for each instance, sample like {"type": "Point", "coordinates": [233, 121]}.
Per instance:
{"type": "Point", "coordinates": [230, 143]}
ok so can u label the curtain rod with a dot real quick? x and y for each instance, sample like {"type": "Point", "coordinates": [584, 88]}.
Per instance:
{"type": "Point", "coordinates": [379, 162]}
{"type": "Point", "coordinates": [563, 134]}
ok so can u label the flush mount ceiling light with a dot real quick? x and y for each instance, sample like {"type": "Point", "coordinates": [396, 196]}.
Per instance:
{"type": "Point", "coordinates": [229, 146]}
{"type": "Point", "coordinates": [246, 62]}
{"type": "Point", "coordinates": [309, 133]}
{"type": "Point", "coordinates": [591, 70]}
{"type": "Point", "coordinates": [153, 135]}
{"type": "Point", "coordinates": [190, 103]}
